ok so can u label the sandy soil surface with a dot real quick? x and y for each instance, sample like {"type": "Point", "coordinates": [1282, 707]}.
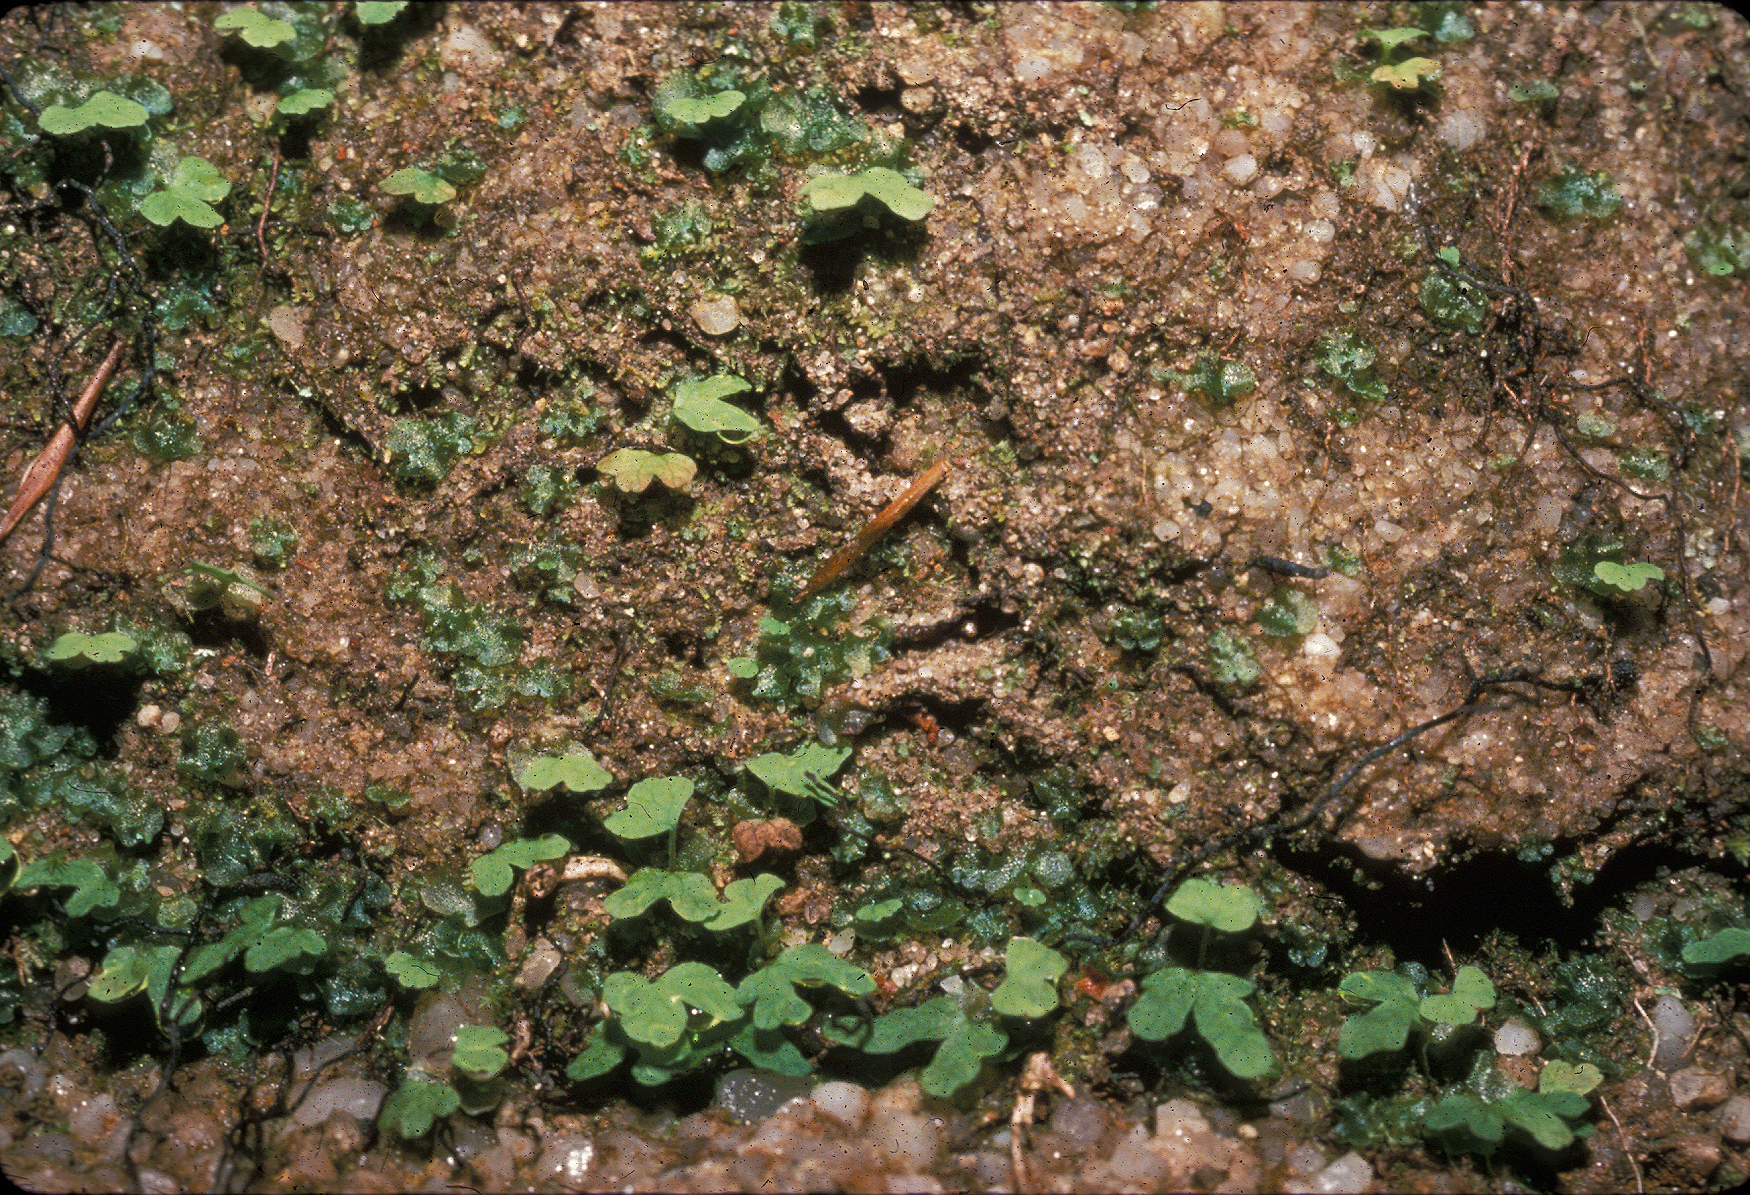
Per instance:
{"type": "Point", "coordinates": [497, 377]}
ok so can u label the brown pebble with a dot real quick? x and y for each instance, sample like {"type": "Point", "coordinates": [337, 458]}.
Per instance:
{"type": "Point", "coordinates": [1522, 1071]}
{"type": "Point", "coordinates": [755, 838]}
{"type": "Point", "coordinates": [1695, 1088]}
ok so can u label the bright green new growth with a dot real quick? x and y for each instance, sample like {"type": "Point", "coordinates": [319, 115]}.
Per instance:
{"type": "Point", "coordinates": [256, 28]}
{"type": "Point", "coordinates": [123, 973]}
{"type": "Point", "coordinates": [800, 774]}
{"type": "Point", "coordinates": [377, 12]}
{"type": "Point", "coordinates": [1231, 659]}
{"type": "Point", "coordinates": [1723, 949]}
{"type": "Point", "coordinates": [1595, 563]}
{"type": "Point", "coordinates": [700, 406]}
{"type": "Point", "coordinates": [492, 872]}
{"type": "Point", "coordinates": [576, 770]}
{"type": "Point", "coordinates": [1217, 380]}
{"type": "Point", "coordinates": [128, 970]}
{"type": "Point", "coordinates": [78, 650]}
{"type": "Point", "coordinates": [421, 186]}
{"type": "Point", "coordinates": [1453, 300]}
{"type": "Point", "coordinates": [1348, 359]}
{"type": "Point", "coordinates": [1214, 1003]}
{"type": "Point", "coordinates": [633, 469]}
{"type": "Point", "coordinates": [1029, 986]}
{"type": "Point", "coordinates": [843, 205]}
{"type": "Point", "coordinates": [688, 115]}
{"type": "Point", "coordinates": [1399, 1010]}
{"type": "Point", "coordinates": [255, 925]}
{"type": "Point", "coordinates": [1571, 192]}
{"type": "Point", "coordinates": [1288, 612]}
{"type": "Point", "coordinates": [1409, 74]}
{"type": "Point", "coordinates": [693, 898]}
{"type": "Point", "coordinates": [1391, 39]}
{"type": "Point", "coordinates": [1386, 1027]}
{"type": "Point", "coordinates": [293, 949]}
{"type": "Point", "coordinates": [93, 888]}
{"type": "Point", "coordinates": [835, 193]}
{"type": "Point", "coordinates": [655, 1012]}
{"type": "Point", "coordinates": [1567, 1076]}
{"type": "Point", "coordinates": [189, 196]}
{"type": "Point", "coordinates": [771, 991]}
{"type": "Point", "coordinates": [1232, 910]}
{"type": "Point", "coordinates": [1463, 1123]}
{"type": "Point", "coordinates": [652, 1020]}
{"type": "Point", "coordinates": [1471, 993]}
{"type": "Point", "coordinates": [106, 110]}
{"type": "Point", "coordinates": [652, 807]}
{"type": "Point", "coordinates": [724, 121]}
{"type": "Point", "coordinates": [1719, 251]}
{"type": "Point", "coordinates": [966, 1044]}
{"type": "Point", "coordinates": [479, 1052]}
{"type": "Point", "coordinates": [262, 945]}
{"type": "Point", "coordinates": [411, 1108]}
{"type": "Point", "coordinates": [1479, 1118]}
{"type": "Point", "coordinates": [1626, 578]}
{"type": "Point", "coordinates": [411, 971]}
{"type": "Point", "coordinates": [304, 101]}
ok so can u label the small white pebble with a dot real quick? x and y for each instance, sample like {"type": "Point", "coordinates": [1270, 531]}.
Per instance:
{"type": "Point", "coordinates": [716, 315]}
{"type": "Point", "coordinates": [1348, 1175]}
{"type": "Point", "coordinates": [846, 1103]}
{"type": "Point", "coordinates": [1241, 170]}
{"type": "Point", "coordinates": [1515, 1038]}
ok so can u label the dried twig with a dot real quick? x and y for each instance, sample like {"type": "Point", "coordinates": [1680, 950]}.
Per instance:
{"type": "Point", "coordinates": [1038, 1076]}
{"type": "Point", "coordinates": [1654, 1052]}
{"type": "Point", "coordinates": [45, 471]}
{"type": "Point", "coordinates": [877, 527]}
{"type": "Point", "coordinates": [261, 225]}
{"type": "Point", "coordinates": [1627, 1150]}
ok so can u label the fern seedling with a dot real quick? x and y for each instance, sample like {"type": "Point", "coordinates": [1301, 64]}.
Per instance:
{"type": "Point", "coordinates": [1400, 1011]}
{"type": "Point", "coordinates": [700, 407]}
{"type": "Point", "coordinates": [1492, 1109]}
{"type": "Point", "coordinates": [1212, 1003]}
{"type": "Point", "coordinates": [1231, 910]}
{"type": "Point", "coordinates": [692, 897]}
{"type": "Point", "coordinates": [1717, 953]}
{"type": "Point", "coordinates": [653, 807]}
{"type": "Point", "coordinates": [412, 1107]}
{"type": "Point", "coordinates": [492, 872]}
{"type": "Point", "coordinates": [1028, 993]}
{"type": "Point", "coordinates": [575, 771]}
{"type": "Point", "coordinates": [75, 650]}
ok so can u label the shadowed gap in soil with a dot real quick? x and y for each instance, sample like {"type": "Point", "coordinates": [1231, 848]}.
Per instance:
{"type": "Point", "coordinates": [1461, 905]}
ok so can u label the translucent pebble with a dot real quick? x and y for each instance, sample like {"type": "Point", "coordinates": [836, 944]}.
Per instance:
{"type": "Point", "coordinates": [716, 315]}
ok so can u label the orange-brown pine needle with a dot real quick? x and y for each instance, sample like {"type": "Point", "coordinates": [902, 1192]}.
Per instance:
{"type": "Point", "coordinates": [878, 526]}
{"type": "Point", "coordinates": [40, 478]}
